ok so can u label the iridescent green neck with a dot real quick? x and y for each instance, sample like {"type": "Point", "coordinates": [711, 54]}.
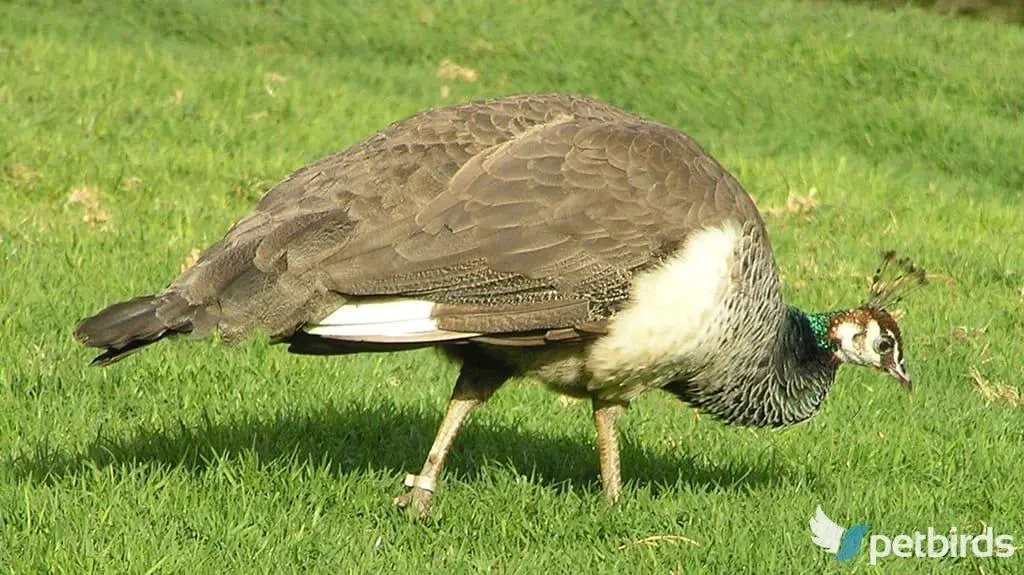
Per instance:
{"type": "Point", "coordinates": [819, 323]}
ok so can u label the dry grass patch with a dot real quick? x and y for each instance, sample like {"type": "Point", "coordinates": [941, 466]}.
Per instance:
{"type": "Point", "coordinates": [796, 205]}
{"type": "Point", "coordinates": [449, 70]}
{"type": "Point", "coordinates": [994, 391]}
{"type": "Point", "coordinates": [190, 260]}
{"type": "Point", "coordinates": [87, 199]}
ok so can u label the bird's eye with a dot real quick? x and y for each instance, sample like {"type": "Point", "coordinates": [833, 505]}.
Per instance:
{"type": "Point", "coordinates": [883, 345]}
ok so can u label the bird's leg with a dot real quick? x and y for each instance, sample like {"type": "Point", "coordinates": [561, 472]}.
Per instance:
{"type": "Point", "coordinates": [421, 487]}
{"type": "Point", "coordinates": [605, 415]}
{"type": "Point", "coordinates": [475, 385]}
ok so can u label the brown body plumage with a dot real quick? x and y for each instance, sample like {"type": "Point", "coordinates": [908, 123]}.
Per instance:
{"type": "Point", "coordinates": [519, 214]}
{"type": "Point", "coordinates": [529, 234]}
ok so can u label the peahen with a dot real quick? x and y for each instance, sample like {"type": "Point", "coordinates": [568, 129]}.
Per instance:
{"type": "Point", "coordinates": [555, 236]}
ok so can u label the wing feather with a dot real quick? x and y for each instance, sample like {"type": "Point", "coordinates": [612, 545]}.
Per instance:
{"type": "Point", "coordinates": [540, 208]}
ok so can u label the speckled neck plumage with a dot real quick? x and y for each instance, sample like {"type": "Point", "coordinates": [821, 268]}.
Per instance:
{"type": "Point", "coordinates": [788, 387]}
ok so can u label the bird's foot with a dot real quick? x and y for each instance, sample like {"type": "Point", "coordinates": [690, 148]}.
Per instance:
{"type": "Point", "coordinates": [416, 500]}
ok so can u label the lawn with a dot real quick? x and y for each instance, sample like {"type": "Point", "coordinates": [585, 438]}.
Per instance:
{"type": "Point", "coordinates": [133, 133]}
{"type": "Point", "coordinates": [1007, 10]}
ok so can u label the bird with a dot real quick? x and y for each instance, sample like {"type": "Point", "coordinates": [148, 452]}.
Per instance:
{"type": "Point", "coordinates": [842, 543]}
{"type": "Point", "coordinates": [544, 235]}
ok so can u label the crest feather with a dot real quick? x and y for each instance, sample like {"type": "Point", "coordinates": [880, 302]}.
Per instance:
{"type": "Point", "coordinates": [894, 278]}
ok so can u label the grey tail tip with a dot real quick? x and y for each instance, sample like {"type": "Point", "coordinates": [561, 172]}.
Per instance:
{"type": "Point", "coordinates": [126, 327]}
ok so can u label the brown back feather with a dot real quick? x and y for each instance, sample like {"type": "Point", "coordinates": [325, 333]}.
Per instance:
{"type": "Point", "coordinates": [539, 209]}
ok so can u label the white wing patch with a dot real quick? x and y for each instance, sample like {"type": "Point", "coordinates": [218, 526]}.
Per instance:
{"type": "Point", "coordinates": [825, 533]}
{"type": "Point", "coordinates": [672, 309]}
{"type": "Point", "coordinates": [385, 320]}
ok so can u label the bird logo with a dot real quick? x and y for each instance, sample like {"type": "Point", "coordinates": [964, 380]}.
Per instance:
{"type": "Point", "coordinates": [843, 543]}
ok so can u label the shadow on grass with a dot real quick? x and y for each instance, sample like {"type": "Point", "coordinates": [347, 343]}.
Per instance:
{"type": "Point", "coordinates": [395, 441]}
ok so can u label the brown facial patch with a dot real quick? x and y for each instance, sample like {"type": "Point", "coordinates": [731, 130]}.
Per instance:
{"type": "Point", "coordinates": [892, 360]}
{"type": "Point", "coordinates": [885, 321]}
{"type": "Point", "coordinates": [861, 316]}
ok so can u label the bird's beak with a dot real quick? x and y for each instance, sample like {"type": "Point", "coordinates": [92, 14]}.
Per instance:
{"type": "Point", "coordinates": [901, 376]}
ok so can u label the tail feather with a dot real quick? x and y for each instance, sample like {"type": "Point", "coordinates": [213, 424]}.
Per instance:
{"type": "Point", "coordinates": [126, 327]}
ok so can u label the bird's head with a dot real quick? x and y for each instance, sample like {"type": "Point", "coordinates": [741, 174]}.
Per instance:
{"type": "Point", "coordinates": [869, 335]}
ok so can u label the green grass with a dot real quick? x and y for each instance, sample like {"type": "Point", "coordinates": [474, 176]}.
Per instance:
{"type": "Point", "coordinates": [193, 457]}
{"type": "Point", "coordinates": [1006, 10]}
